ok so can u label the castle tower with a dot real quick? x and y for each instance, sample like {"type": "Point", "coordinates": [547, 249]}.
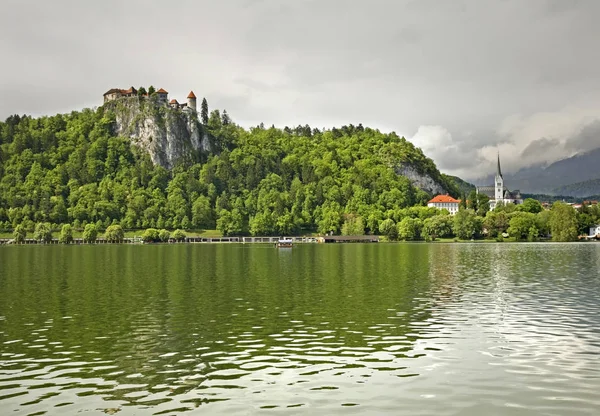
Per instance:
{"type": "Point", "coordinates": [191, 100]}
{"type": "Point", "coordinates": [499, 183]}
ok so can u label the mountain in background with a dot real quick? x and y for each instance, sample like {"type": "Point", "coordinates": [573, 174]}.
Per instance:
{"type": "Point", "coordinates": [578, 175]}
{"type": "Point", "coordinates": [580, 189]}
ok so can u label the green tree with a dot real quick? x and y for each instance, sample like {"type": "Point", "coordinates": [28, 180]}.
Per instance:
{"type": "Point", "coordinates": [151, 235]}
{"type": "Point", "coordinates": [66, 234]}
{"type": "Point", "coordinates": [20, 234]}
{"type": "Point", "coordinates": [563, 222]}
{"type": "Point", "coordinates": [151, 90]}
{"type": "Point", "coordinates": [496, 223]}
{"type": "Point", "coordinates": [90, 233]}
{"type": "Point", "coordinates": [225, 120]}
{"type": "Point", "coordinates": [483, 204]}
{"type": "Point", "coordinates": [202, 215]}
{"type": "Point", "coordinates": [204, 111]}
{"type": "Point", "coordinates": [472, 200]}
{"type": "Point", "coordinates": [521, 225]}
{"type": "Point", "coordinates": [388, 228]}
{"type": "Point", "coordinates": [178, 235]}
{"type": "Point", "coordinates": [353, 225]}
{"type": "Point", "coordinates": [437, 226]}
{"type": "Point", "coordinates": [463, 202]}
{"type": "Point", "coordinates": [542, 222]}
{"type": "Point", "coordinates": [409, 228]}
{"type": "Point", "coordinates": [230, 222]}
{"type": "Point", "coordinates": [530, 205]}
{"type": "Point", "coordinates": [114, 233]}
{"type": "Point", "coordinates": [584, 222]}
{"type": "Point", "coordinates": [164, 235]}
{"type": "Point", "coordinates": [43, 232]}
{"type": "Point", "coordinates": [466, 224]}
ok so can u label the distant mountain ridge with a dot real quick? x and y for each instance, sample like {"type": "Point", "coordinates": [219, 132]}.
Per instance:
{"type": "Point", "coordinates": [551, 179]}
{"type": "Point", "coordinates": [580, 189]}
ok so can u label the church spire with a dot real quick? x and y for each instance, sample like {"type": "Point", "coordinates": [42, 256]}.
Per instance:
{"type": "Point", "coordinates": [499, 172]}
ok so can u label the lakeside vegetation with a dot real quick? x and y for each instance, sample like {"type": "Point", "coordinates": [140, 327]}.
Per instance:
{"type": "Point", "coordinates": [70, 171]}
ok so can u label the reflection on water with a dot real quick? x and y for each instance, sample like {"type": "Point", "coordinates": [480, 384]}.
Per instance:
{"type": "Point", "coordinates": [441, 329]}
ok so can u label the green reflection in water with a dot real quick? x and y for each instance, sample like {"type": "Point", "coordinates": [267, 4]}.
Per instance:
{"type": "Point", "coordinates": [161, 328]}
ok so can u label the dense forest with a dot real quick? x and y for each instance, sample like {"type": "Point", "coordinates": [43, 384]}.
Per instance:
{"type": "Point", "coordinates": [71, 169]}
{"type": "Point", "coordinates": [70, 172]}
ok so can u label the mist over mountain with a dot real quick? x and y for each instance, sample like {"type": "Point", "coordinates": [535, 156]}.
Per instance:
{"type": "Point", "coordinates": [552, 179]}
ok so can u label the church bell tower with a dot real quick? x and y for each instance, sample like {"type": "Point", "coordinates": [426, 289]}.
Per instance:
{"type": "Point", "coordinates": [499, 183]}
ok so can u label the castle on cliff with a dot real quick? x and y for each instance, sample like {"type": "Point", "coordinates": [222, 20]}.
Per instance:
{"type": "Point", "coordinates": [161, 94]}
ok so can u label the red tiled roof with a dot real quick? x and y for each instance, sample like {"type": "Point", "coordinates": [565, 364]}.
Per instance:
{"type": "Point", "coordinates": [444, 198]}
{"type": "Point", "coordinates": [121, 91]}
{"type": "Point", "coordinates": [173, 101]}
{"type": "Point", "coordinates": [191, 95]}
{"type": "Point", "coordinates": [161, 91]}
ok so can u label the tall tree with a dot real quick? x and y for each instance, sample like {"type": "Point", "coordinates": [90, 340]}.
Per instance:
{"type": "Point", "coordinates": [225, 118]}
{"type": "Point", "coordinates": [563, 222]}
{"type": "Point", "coordinates": [463, 202]}
{"type": "Point", "coordinates": [43, 232]}
{"type": "Point", "coordinates": [66, 234]}
{"type": "Point", "coordinates": [204, 111]}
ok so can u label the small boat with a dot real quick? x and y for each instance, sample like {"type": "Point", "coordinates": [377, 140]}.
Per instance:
{"type": "Point", "coordinates": [284, 243]}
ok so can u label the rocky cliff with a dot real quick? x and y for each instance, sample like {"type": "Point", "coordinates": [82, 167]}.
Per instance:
{"type": "Point", "coordinates": [168, 135]}
{"type": "Point", "coordinates": [422, 181]}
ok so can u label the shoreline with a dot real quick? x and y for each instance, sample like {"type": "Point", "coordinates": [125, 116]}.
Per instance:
{"type": "Point", "coordinates": [268, 240]}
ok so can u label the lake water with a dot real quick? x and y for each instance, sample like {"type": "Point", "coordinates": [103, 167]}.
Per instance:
{"type": "Point", "coordinates": [399, 329]}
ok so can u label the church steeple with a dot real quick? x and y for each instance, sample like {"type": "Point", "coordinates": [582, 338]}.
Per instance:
{"type": "Point", "coordinates": [499, 185]}
{"type": "Point", "coordinates": [499, 172]}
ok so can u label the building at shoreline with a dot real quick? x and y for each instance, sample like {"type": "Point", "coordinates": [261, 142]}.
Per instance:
{"type": "Point", "coordinates": [161, 94]}
{"type": "Point", "coordinates": [445, 202]}
{"type": "Point", "coordinates": [498, 192]}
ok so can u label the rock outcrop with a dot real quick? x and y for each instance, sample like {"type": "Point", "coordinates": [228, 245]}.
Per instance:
{"type": "Point", "coordinates": [169, 135]}
{"type": "Point", "coordinates": [421, 180]}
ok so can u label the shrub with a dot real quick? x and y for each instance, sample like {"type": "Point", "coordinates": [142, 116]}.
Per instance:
{"type": "Point", "coordinates": [90, 233]}
{"type": "Point", "coordinates": [164, 235]}
{"type": "Point", "coordinates": [114, 233]}
{"type": "Point", "coordinates": [151, 235]}
{"type": "Point", "coordinates": [178, 235]}
{"type": "Point", "coordinates": [66, 234]}
{"type": "Point", "coordinates": [43, 232]}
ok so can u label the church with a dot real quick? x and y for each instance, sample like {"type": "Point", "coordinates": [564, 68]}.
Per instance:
{"type": "Point", "coordinates": [498, 192]}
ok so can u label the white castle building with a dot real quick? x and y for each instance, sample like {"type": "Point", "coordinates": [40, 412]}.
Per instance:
{"type": "Point", "coordinates": [498, 192]}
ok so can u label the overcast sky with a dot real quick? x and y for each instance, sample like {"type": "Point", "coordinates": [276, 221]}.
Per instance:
{"type": "Point", "coordinates": [462, 79]}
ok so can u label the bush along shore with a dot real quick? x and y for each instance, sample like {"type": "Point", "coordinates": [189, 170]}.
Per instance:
{"type": "Point", "coordinates": [525, 222]}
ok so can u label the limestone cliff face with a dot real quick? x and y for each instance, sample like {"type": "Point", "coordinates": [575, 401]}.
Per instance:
{"type": "Point", "coordinates": [168, 135]}
{"type": "Point", "coordinates": [420, 180]}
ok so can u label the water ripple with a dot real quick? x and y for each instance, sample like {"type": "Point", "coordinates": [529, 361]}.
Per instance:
{"type": "Point", "coordinates": [441, 329]}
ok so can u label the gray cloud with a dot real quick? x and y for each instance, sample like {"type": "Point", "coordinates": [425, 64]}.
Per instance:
{"type": "Point", "coordinates": [487, 75]}
{"type": "Point", "coordinates": [540, 147]}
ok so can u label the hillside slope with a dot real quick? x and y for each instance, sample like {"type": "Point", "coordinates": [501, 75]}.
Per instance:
{"type": "Point", "coordinates": [171, 171]}
{"type": "Point", "coordinates": [579, 189]}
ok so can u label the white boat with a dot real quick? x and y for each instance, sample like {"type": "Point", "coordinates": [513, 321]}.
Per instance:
{"type": "Point", "coordinates": [284, 243]}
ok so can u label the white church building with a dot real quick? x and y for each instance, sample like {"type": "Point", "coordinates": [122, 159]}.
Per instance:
{"type": "Point", "coordinates": [498, 192]}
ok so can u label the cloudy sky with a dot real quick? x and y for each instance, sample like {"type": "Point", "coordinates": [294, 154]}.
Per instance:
{"type": "Point", "coordinates": [462, 79]}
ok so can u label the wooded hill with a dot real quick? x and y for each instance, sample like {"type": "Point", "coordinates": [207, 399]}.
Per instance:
{"type": "Point", "coordinates": [71, 168]}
